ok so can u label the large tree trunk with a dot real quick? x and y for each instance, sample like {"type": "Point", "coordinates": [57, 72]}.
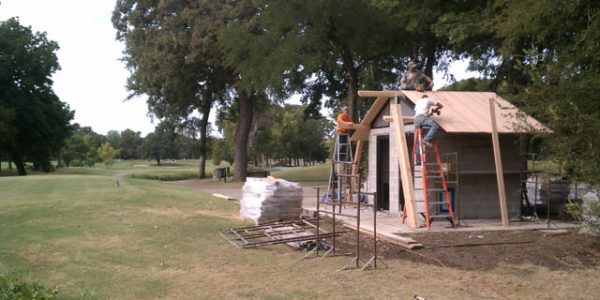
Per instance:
{"type": "Point", "coordinates": [205, 110]}
{"type": "Point", "coordinates": [19, 164]}
{"type": "Point", "coordinates": [353, 84]}
{"type": "Point", "coordinates": [242, 131]}
{"type": "Point", "coordinates": [431, 60]}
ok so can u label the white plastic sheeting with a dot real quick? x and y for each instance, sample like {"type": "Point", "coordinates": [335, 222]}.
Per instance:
{"type": "Point", "coordinates": [269, 199]}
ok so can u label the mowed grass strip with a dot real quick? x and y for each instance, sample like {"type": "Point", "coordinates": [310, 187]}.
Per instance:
{"type": "Point", "coordinates": [312, 175]}
{"type": "Point", "coordinates": [86, 235]}
{"type": "Point", "coordinates": [145, 239]}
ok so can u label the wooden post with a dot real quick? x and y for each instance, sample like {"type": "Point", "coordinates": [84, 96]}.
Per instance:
{"type": "Point", "coordinates": [498, 161]}
{"type": "Point", "coordinates": [404, 162]}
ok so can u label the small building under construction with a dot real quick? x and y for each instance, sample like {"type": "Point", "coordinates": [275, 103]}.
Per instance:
{"type": "Point", "coordinates": [464, 142]}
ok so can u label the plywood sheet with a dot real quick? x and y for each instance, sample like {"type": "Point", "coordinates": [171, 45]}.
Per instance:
{"type": "Point", "coordinates": [467, 112]}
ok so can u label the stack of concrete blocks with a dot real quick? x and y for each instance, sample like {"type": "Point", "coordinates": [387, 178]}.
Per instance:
{"type": "Point", "coordinates": [268, 199]}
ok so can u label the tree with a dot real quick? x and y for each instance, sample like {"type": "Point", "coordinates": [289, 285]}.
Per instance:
{"type": "Point", "coordinates": [171, 49]}
{"type": "Point", "coordinates": [129, 142]}
{"type": "Point", "coordinates": [35, 123]}
{"type": "Point", "coordinates": [543, 55]}
{"type": "Point", "coordinates": [113, 137]}
{"type": "Point", "coordinates": [314, 48]}
{"type": "Point", "coordinates": [79, 148]}
{"type": "Point", "coordinates": [160, 144]}
{"type": "Point", "coordinates": [106, 153]}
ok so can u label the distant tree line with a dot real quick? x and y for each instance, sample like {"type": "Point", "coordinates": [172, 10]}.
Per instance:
{"type": "Point", "coordinates": [81, 148]}
{"type": "Point", "coordinates": [281, 135]}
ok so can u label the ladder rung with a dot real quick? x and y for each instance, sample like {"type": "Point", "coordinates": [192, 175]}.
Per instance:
{"type": "Point", "coordinates": [430, 189]}
{"type": "Point", "coordinates": [435, 202]}
{"type": "Point", "coordinates": [439, 216]}
{"type": "Point", "coordinates": [432, 202]}
{"type": "Point", "coordinates": [428, 176]}
{"type": "Point", "coordinates": [434, 190]}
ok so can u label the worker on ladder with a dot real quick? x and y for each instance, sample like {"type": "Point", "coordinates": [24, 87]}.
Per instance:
{"type": "Point", "coordinates": [343, 133]}
{"type": "Point", "coordinates": [424, 109]}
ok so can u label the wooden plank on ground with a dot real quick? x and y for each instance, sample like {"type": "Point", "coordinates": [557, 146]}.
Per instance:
{"type": "Point", "coordinates": [397, 240]}
{"type": "Point", "coordinates": [498, 161]}
{"type": "Point", "coordinates": [403, 159]}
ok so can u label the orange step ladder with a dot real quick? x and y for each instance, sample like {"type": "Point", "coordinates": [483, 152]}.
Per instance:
{"type": "Point", "coordinates": [429, 175]}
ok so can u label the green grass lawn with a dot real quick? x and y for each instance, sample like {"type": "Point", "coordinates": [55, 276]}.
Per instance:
{"type": "Point", "coordinates": [146, 239]}
{"type": "Point", "coordinates": [313, 175]}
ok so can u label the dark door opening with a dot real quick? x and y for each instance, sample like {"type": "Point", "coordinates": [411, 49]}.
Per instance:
{"type": "Point", "coordinates": [383, 173]}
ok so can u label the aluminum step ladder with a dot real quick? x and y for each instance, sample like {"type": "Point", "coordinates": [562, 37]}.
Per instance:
{"type": "Point", "coordinates": [341, 180]}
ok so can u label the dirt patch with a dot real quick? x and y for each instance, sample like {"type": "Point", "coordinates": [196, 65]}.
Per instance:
{"type": "Point", "coordinates": [212, 213]}
{"type": "Point", "coordinates": [485, 250]}
{"type": "Point", "coordinates": [231, 189]}
{"type": "Point", "coordinates": [166, 212]}
{"type": "Point", "coordinates": [177, 213]}
{"type": "Point", "coordinates": [140, 166]}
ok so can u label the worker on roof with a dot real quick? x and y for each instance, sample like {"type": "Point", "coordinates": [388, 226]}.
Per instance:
{"type": "Point", "coordinates": [424, 109]}
{"type": "Point", "coordinates": [414, 79]}
{"type": "Point", "coordinates": [343, 119]}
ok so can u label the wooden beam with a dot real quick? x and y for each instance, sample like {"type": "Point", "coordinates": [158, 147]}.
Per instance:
{"type": "Point", "coordinates": [406, 119]}
{"type": "Point", "coordinates": [360, 135]}
{"type": "Point", "coordinates": [354, 126]}
{"type": "Point", "coordinates": [386, 94]}
{"type": "Point", "coordinates": [498, 161]}
{"type": "Point", "coordinates": [404, 161]}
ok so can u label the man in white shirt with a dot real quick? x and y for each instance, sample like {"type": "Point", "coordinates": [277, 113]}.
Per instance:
{"type": "Point", "coordinates": [424, 108]}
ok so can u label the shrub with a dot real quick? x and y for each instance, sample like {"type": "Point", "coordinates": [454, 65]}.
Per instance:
{"type": "Point", "coordinates": [588, 212]}
{"type": "Point", "coordinates": [166, 177]}
{"type": "Point", "coordinates": [11, 287]}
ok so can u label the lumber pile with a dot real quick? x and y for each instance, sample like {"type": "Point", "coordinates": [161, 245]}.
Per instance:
{"type": "Point", "coordinates": [270, 199]}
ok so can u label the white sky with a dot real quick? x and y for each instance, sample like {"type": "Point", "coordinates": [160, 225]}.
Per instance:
{"type": "Point", "coordinates": [92, 79]}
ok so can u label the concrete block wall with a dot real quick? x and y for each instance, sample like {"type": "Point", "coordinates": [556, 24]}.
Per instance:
{"type": "Point", "coordinates": [476, 154]}
{"type": "Point", "coordinates": [478, 196]}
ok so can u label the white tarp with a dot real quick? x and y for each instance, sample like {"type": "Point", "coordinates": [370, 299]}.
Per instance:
{"type": "Point", "coordinates": [269, 199]}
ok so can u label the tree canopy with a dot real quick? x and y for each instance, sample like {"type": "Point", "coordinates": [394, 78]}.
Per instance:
{"type": "Point", "coordinates": [543, 56]}
{"type": "Point", "coordinates": [246, 54]}
{"type": "Point", "coordinates": [34, 123]}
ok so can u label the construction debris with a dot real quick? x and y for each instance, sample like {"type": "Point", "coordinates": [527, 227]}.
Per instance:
{"type": "Point", "coordinates": [296, 234]}
{"type": "Point", "coordinates": [270, 199]}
